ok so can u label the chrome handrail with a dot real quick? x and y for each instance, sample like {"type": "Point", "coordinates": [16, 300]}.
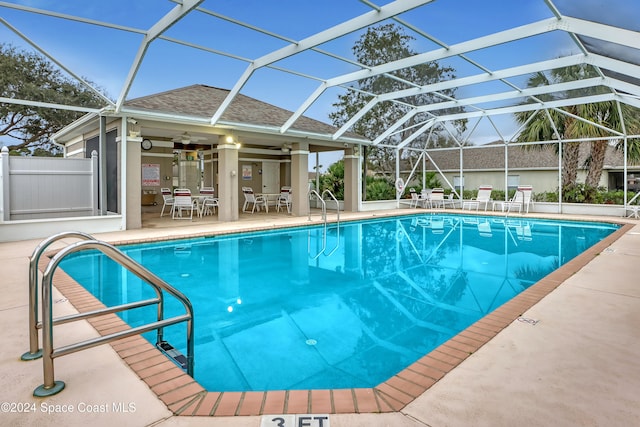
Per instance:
{"type": "Point", "coordinates": [34, 351]}
{"type": "Point", "coordinates": [324, 217]}
{"type": "Point", "coordinates": [324, 204]}
{"type": "Point", "coordinates": [324, 243]}
{"type": "Point", "coordinates": [50, 386]}
{"type": "Point", "coordinates": [335, 200]}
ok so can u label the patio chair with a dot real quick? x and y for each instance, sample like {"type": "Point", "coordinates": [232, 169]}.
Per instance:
{"type": "Point", "coordinates": [483, 196]}
{"type": "Point", "coordinates": [415, 198]}
{"type": "Point", "coordinates": [209, 206]}
{"type": "Point", "coordinates": [284, 199]}
{"type": "Point", "coordinates": [449, 201]}
{"type": "Point", "coordinates": [182, 201]}
{"type": "Point", "coordinates": [437, 198]}
{"type": "Point", "coordinates": [425, 197]}
{"type": "Point", "coordinates": [206, 192]}
{"type": "Point", "coordinates": [167, 198]}
{"type": "Point", "coordinates": [250, 198]}
{"type": "Point", "coordinates": [207, 200]}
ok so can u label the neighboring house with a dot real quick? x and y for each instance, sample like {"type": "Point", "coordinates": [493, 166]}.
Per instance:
{"type": "Point", "coordinates": [485, 165]}
{"type": "Point", "coordinates": [171, 143]}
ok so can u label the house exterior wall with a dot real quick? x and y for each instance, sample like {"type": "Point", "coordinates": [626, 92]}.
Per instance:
{"type": "Point", "coordinates": [540, 180]}
{"type": "Point", "coordinates": [163, 157]}
{"type": "Point", "coordinates": [249, 177]}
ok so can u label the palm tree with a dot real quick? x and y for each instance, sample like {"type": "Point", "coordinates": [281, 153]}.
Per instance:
{"type": "Point", "coordinates": [606, 114]}
{"type": "Point", "coordinates": [603, 113]}
{"type": "Point", "coordinates": [539, 128]}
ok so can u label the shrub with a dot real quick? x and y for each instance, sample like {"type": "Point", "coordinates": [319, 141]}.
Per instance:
{"type": "Point", "coordinates": [380, 189]}
{"type": "Point", "coordinates": [580, 193]}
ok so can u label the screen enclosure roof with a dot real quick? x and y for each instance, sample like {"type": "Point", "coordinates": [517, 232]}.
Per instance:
{"type": "Point", "coordinates": [298, 56]}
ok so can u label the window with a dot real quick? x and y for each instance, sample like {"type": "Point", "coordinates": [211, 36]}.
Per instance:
{"type": "Point", "coordinates": [457, 181]}
{"type": "Point", "coordinates": [513, 181]}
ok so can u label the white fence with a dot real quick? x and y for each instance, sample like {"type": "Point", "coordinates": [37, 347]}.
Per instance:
{"type": "Point", "coordinates": [47, 187]}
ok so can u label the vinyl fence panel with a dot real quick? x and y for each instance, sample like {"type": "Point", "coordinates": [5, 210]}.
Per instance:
{"type": "Point", "coordinates": [49, 187]}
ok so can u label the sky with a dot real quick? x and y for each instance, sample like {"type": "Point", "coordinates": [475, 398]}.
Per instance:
{"type": "Point", "coordinates": [104, 56]}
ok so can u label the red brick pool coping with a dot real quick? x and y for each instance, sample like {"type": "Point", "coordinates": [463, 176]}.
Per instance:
{"type": "Point", "coordinates": [184, 396]}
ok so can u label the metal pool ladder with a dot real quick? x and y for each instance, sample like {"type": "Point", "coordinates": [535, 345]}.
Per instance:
{"type": "Point", "coordinates": [48, 353]}
{"type": "Point", "coordinates": [324, 204]}
{"type": "Point", "coordinates": [324, 217]}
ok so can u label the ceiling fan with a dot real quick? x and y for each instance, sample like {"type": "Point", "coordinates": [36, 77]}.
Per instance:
{"type": "Point", "coordinates": [187, 138]}
{"type": "Point", "coordinates": [286, 148]}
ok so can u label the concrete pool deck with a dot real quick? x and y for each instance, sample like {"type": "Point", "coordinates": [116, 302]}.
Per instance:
{"type": "Point", "coordinates": [578, 365]}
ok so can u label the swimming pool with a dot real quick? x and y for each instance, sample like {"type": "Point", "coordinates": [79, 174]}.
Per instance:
{"type": "Point", "coordinates": [350, 307]}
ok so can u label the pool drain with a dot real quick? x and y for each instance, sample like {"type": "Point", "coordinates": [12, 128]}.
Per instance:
{"type": "Point", "coordinates": [311, 341]}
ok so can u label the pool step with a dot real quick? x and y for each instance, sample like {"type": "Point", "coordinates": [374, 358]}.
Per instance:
{"type": "Point", "coordinates": [173, 354]}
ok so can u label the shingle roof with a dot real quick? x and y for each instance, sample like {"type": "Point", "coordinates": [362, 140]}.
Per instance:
{"type": "Point", "coordinates": [491, 157]}
{"type": "Point", "coordinates": [203, 101]}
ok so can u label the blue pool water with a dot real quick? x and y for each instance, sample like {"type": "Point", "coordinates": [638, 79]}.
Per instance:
{"type": "Point", "coordinates": [304, 309]}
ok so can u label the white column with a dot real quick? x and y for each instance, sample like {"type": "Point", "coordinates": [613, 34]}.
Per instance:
{"type": "Point", "coordinates": [300, 178]}
{"type": "Point", "coordinates": [228, 181]}
{"type": "Point", "coordinates": [351, 180]}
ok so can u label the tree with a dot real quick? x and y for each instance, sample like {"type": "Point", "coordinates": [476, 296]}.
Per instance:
{"type": "Point", "coordinates": [25, 75]}
{"type": "Point", "coordinates": [603, 113]}
{"type": "Point", "coordinates": [606, 114]}
{"type": "Point", "coordinates": [379, 45]}
{"type": "Point", "coordinates": [333, 180]}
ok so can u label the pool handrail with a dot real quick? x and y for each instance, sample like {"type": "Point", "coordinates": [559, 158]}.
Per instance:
{"type": "Point", "coordinates": [34, 351]}
{"type": "Point", "coordinates": [327, 191]}
{"type": "Point", "coordinates": [324, 204]}
{"type": "Point", "coordinates": [50, 386]}
{"type": "Point", "coordinates": [324, 218]}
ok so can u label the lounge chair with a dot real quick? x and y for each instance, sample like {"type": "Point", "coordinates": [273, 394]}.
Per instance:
{"type": "Point", "coordinates": [521, 200]}
{"type": "Point", "coordinates": [483, 196]}
{"type": "Point", "coordinates": [632, 209]}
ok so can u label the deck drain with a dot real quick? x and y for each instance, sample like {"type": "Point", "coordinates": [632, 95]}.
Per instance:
{"type": "Point", "coordinates": [311, 341]}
